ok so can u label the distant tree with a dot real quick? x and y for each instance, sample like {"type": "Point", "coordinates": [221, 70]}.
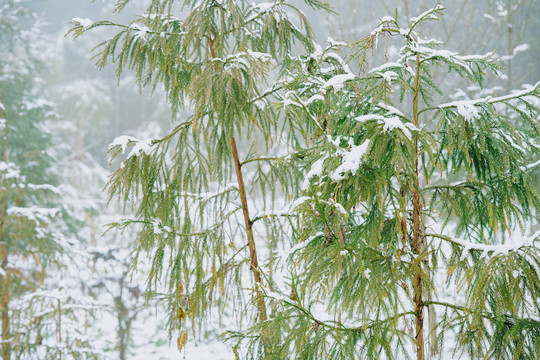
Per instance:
{"type": "Point", "coordinates": [415, 214]}
{"type": "Point", "coordinates": [35, 226]}
{"type": "Point", "coordinates": [121, 316]}
{"type": "Point", "coordinates": [124, 297]}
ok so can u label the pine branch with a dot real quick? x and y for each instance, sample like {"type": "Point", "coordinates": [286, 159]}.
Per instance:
{"type": "Point", "coordinates": [337, 326]}
{"type": "Point", "coordinates": [534, 90]}
{"type": "Point", "coordinates": [494, 249]}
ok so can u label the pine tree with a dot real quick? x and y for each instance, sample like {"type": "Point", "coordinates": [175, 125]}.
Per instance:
{"type": "Point", "coordinates": [415, 211]}
{"type": "Point", "coordinates": [36, 314]}
{"type": "Point", "coordinates": [215, 63]}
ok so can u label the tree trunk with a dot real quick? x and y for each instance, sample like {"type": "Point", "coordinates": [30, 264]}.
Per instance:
{"type": "Point", "coordinates": [418, 239]}
{"type": "Point", "coordinates": [4, 280]}
{"type": "Point", "coordinates": [6, 346]}
{"type": "Point", "coordinates": [245, 209]}
{"type": "Point", "coordinates": [249, 231]}
{"type": "Point", "coordinates": [4, 299]}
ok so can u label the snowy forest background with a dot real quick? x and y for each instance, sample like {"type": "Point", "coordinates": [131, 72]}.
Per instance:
{"type": "Point", "coordinates": [79, 294]}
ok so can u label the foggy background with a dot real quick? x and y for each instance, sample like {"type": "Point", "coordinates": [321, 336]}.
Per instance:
{"type": "Point", "coordinates": [95, 107]}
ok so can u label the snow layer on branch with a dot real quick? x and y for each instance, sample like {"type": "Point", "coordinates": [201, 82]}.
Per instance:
{"type": "Point", "coordinates": [159, 228]}
{"type": "Point", "coordinates": [264, 57]}
{"type": "Point", "coordinates": [9, 170]}
{"type": "Point", "coordinates": [466, 109]}
{"type": "Point", "coordinates": [333, 42]}
{"type": "Point", "coordinates": [85, 23]}
{"type": "Point", "coordinates": [429, 41]}
{"type": "Point", "coordinates": [385, 67]}
{"type": "Point", "coordinates": [387, 19]}
{"type": "Point", "coordinates": [394, 123]}
{"type": "Point", "coordinates": [428, 14]}
{"type": "Point", "coordinates": [140, 30]}
{"type": "Point", "coordinates": [502, 249]}
{"type": "Point", "coordinates": [243, 59]}
{"type": "Point", "coordinates": [139, 146]}
{"type": "Point", "coordinates": [34, 213]}
{"type": "Point", "coordinates": [530, 166]}
{"type": "Point", "coordinates": [49, 187]}
{"type": "Point", "coordinates": [447, 55]}
{"type": "Point", "coordinates": [338, 81]}
{"type": "Point", "coordinates": [490, 18]}
{"type": "Point", "coordinates": [391, 110]}
{"type": "Point", "coordinates": [339, 59]}
{"type": "Point", "coordinates": [37, 104]}
{"type": "Point", "coordinates": [304, 243]}
{"type": "Point", "coordinates": [390, 123]}
{"type": "Point", "coordinates": [286, 211]}
{"type": "Point", "coordinates": [521, 48]}
{"type": "Point", "coordinates": [142, 146]}
{"type": "Point", "coordinates": [122, 141]}
{"type": "Point", "coordinates": [351, 160]}
{"type": "Point", "coordinates": [316, 97]}
{"type": "Point", "coordinates": [388, 76]}
{"type": "Point", "coordinates": [369, 117]}
{"type": "Point", "coordinates": [264, 6]}
{"type": "Point", "coordinates": [315, 170]}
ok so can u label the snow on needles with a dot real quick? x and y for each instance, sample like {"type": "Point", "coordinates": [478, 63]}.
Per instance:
{"type": "Point", "coordinates": [139, 146]}
{"type": "Point", "coordinates": [85, 23]}
{"type": "Point", "coordinates": [428, 14]}
{"type": "Point", "coordinates": [122, 141]}
{"type": "Point", "coordinates": [9, 170]}
{"type": "Point", "coordinates": [469, 111]}
{"type": "Point", "coordinates": [141, 31]}
{"type": "Point", "coordinates": [521, 48]}
{"type": "Point", "coordinates": [142, 146]}
{"type": "Point", "coordinates": [466, 109]}
{"type": "Point", "coordinates": [351, 160]}
{"type": "Point", "coordinates": [390, 123]}
{"type": "Point", "coordinates": [34, 213]}
{"type": "Point", "coordinates": [316, 170]}
{"type": "Point", "coordinates": [338, 81]}
{"type": "Point", "coordinates": [502, 249]}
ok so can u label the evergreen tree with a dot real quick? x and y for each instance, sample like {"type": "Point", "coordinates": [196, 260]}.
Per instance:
{"type": "Point", "coordinates": [412, 210]}
{"type": "Point", "coordinates": [215, 62]}
{"type": "Point", "coordinates": [399, 207]}
{"type": "Point", "coordinates": [36, 312]}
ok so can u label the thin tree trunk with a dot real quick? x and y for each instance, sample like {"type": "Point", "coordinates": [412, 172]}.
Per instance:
{"type": "Point", "coordinates": [417, 242]}
{"type": "Point", "coordinates": [249, 231]}
{"type": "Point", "coordinates": [4, 287]}
{"type": "Point", "coordinates": [59, 329]}
{"type": "Point", "coordinates": [4, 282]}
{"type": "Point", "coordinates": [121, 312]}
{"type": "Point", "coordinates": [4, 304]}
{"type": "Point", "coordinates": [254, 264]}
